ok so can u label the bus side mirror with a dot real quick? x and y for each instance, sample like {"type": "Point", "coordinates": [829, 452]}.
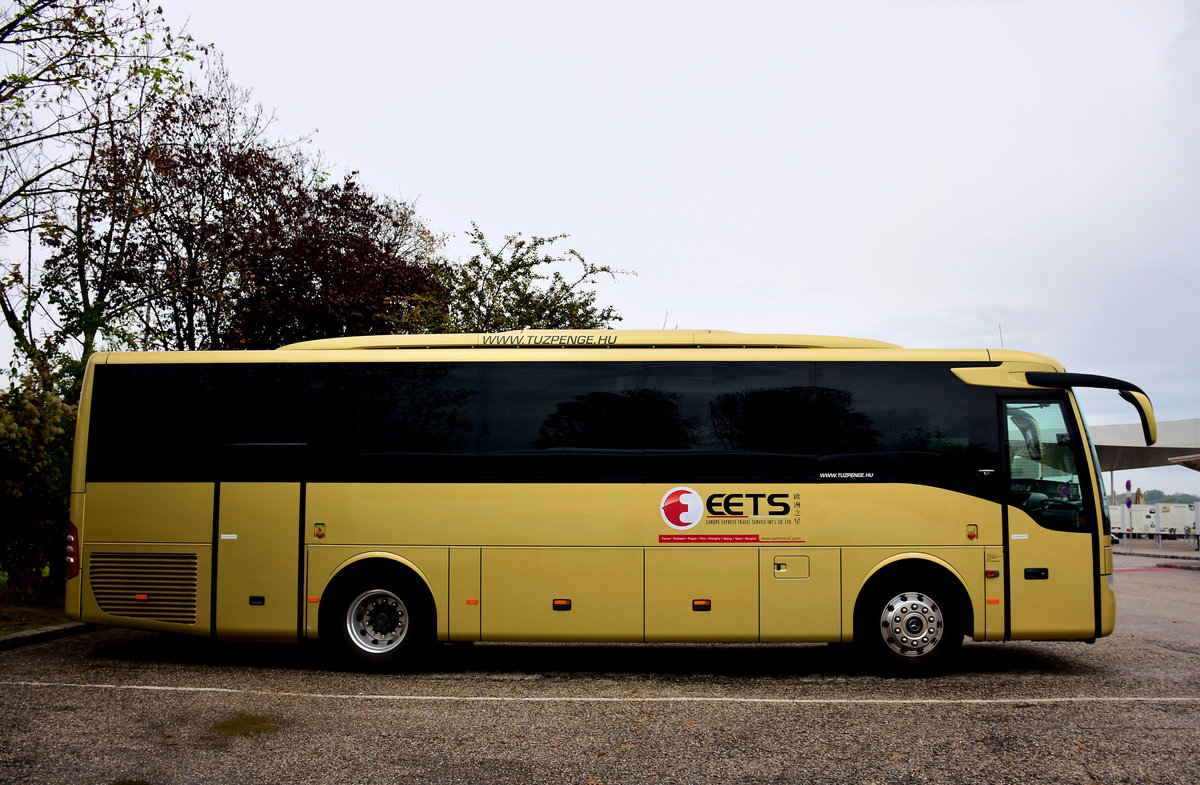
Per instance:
{"type": "Point", "coordinates": [1145, 411]}
{"type": "Point", "coordinates": [1029, 432]}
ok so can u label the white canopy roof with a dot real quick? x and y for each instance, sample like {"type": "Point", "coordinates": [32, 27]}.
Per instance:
{"type": "Point", "coordinates": [1122, 446]}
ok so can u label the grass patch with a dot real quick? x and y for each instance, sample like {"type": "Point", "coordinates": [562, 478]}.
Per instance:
{"type": "Point", "coordinates": [244, 725]}
{"type": "Point", "coordinates": [18, 618]}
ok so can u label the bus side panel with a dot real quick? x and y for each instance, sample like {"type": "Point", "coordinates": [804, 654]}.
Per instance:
{"type": "Point", "coordinates": [325, 562]}
{"type": "Point", "coordinates": [483, 514]}
{"type": "Point", "coordinates": [801, 594]}
{"type": "Point", "coordinates": [166, 512]}
{"type": "Point", "coordinates": [994, 608]}
{"type": "Point", "coordinates": [1108, 608]}
{"type": "Point", "coordinates": [894, 515]}
{"type": "Point", "coordinates": [859, 564]}
{"type": "Point", "coordinates": [723, 580]}
{"type": "Point", "coordinates": [147, 555]}
{"type": "Point", "coordinates": [599, 594]}
{"type": "Point", "coordinates": [463, 607]}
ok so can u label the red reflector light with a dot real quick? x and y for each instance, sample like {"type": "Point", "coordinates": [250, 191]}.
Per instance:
{"type": "Point", "coordinates": [72, 552]}
{"type": "Point", "coordinates": [472, 602]}
{"type": "Point", "coordinates": [993, 602]}
{"type": "Point", "coordinates": [991, 573]}
{"type": "Point", "coordinates": [314, 599]}
{"type": "Point", "coordinates": [141, 597]}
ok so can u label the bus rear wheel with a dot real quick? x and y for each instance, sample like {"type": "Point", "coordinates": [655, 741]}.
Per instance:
{"type": "Point", "coordinates": [378, 624]}
{"type": "Point", "coordinates": [909, 632]}
{"type": "Point", "coordinates": [377, 621]}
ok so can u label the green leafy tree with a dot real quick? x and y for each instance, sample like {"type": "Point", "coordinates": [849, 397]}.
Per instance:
{"type": "Point", "coordinates": [74, 71]}
{"type": "Point", "coordinates": [199, 232]}
{"type": "Point", "coordinates": [36, 432]}
{"type": "Point", "coordinates": [522, 284]}
{"type": "Point", "coordinates": [150, 251]}
{"type": "Point", "coordinates": [66, 59]}
{"type": "Point", "coordinates": [212, 215]}
{"type": "Point", "coordinates": [1155, 496]}
{"type": "Point", "coordinates": [93, 279]}
{"type": "Point", "coordinates": [343, 262]}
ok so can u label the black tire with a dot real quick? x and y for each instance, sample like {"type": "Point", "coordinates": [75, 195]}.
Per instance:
{"type": "Point", "coordinates": [378, 621]}
{"type": "Point", "coordinates": [909, 627]}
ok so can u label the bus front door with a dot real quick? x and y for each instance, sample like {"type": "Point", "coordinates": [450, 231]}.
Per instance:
{"type": "Point", "coordinates": [1051, 530]}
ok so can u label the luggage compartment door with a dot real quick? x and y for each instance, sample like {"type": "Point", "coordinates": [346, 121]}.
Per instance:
{"type": "Point", "coordinates": [258, 555]}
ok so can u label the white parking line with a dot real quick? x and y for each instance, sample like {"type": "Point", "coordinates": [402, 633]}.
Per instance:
{"type": "Point", "coordinates": [1011, 701]}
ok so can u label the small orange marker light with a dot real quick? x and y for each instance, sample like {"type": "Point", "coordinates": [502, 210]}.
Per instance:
{"type": "Point", "coordinates": [142, 597]}
{"type": "Point", "coordinates": [314, 599]}
{"type": "Point", "coordinates": [993, 602]}
{"type": "Point", "coordinates": [991, 573]}
{"type": "Point", "coordinates": [702, 605]}
{"type": "Point", "coordinates": [561, 605]}
{"type": "Point", "coordinates": [472, 602]}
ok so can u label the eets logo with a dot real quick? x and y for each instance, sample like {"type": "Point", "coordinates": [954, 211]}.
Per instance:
{"type": "Point", "coordinates": [682, 508]}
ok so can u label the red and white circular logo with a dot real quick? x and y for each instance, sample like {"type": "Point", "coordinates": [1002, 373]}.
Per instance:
{"type": "Point", "coordinates": [682, 508]}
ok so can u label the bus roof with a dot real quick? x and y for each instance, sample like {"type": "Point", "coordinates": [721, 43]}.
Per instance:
{"type": "Point", "coordinates": [578, 339]}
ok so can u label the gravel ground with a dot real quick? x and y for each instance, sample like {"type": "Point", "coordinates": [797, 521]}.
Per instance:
{"type": "Point", "coordinates": [120, 706]}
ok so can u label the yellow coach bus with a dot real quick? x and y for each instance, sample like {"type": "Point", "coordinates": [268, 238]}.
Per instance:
{"type": "Point", "coordinates": [383, 493]}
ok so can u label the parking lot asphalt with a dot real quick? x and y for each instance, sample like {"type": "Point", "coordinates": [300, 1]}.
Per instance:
{"type": "Point", "coordinates": [121, 706]}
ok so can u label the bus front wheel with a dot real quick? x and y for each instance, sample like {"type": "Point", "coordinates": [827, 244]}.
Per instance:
{"type": "Point", "coordinates": [909, 630]}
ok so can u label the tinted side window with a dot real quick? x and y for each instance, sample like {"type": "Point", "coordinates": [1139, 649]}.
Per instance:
{"type": "Point", "coordinates": [140, 416]}
{"type": "Point", "coordinates": [744, 421]}
{"type": "Point", "coordinates": [544, 422]}
{"type": "Point", "coordinates": [395, 422]}
{"type": "Point", "coordinates": [192, 422]}
{"type": "Point", "coordinates": [908, 422]}
{"type": "Point", "coordinates": [562, 421]}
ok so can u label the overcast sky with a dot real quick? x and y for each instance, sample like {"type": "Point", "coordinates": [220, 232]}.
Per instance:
{"type": "Point", "coordinates": [928, 173]}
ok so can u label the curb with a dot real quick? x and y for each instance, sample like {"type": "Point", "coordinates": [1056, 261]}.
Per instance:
{"type": "Point", "coordinates": [1194, 565]}
{"type": "Point", "coordinates": [1174, 556]}
{"type": "Point", "coordinates": [30, 637]}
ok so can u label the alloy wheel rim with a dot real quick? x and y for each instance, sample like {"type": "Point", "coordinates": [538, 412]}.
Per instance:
{"type": "Point", "coordinates": [377, 621]}
{"type": "Point", "coordinates": [912, 623]}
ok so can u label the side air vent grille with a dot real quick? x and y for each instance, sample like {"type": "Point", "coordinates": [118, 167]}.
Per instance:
{"type": "Point", "coordinates": [158, 586]}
